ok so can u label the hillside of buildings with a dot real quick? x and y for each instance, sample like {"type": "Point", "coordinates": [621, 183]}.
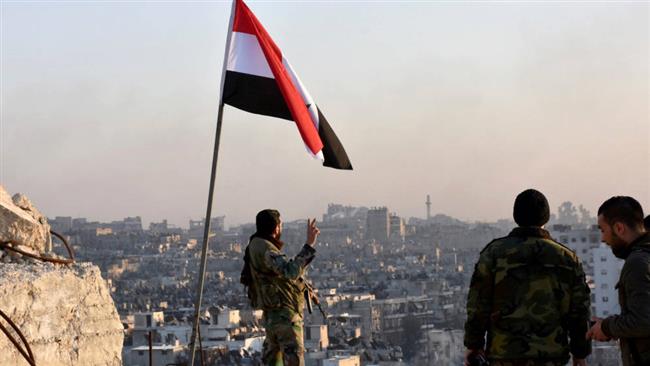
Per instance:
{"type": "Point", "coordinates": [393, 289]}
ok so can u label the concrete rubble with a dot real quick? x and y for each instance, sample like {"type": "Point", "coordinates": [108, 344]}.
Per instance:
{"type": "Point", "coordinates": [65, 312]}
{"type": "Point", "coordinates": [23, 224]}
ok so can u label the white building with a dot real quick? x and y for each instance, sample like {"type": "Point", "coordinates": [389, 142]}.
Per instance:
{"type": "Point", "coordinates": [161, 355]}
{"type": "Point", "coordinates": [605, 353]}
{"type": "Point", "coordinates": [149, 320]}
{"type": "Point", "coordinates": [582, 241]}
{"type": "Point", "coordinates": [171, 333]}
{"type": "Point", "coordinates": [145, 324]}
{"type": "Point", "coordinates": [250, 344]}
{"type": "Point", "coordinates": [316, 338]}
{"type": "Point", "coordinates": [343, 361]}
{"type": "Point", "coordinates": [228, 318]}
{"type": "Point", "coordinates": [250, 316]}
{"type": "Point", "coordinates": [212, 333]}
{"type": "Point", "coordinates": [601, 266]}
{"type": "Point", "coordinates": [442, 347]}
{"type": "Point", "coordinates": [607, 269]}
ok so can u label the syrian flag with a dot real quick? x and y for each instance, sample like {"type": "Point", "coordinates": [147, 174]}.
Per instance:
{"type": "Point", "coordinates": [260, 80]}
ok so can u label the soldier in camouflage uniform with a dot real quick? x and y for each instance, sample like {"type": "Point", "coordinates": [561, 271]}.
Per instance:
{"type": "Point", "coordinates": [528, 295]}
{"type": "Point", "coordinates": [278, 288]}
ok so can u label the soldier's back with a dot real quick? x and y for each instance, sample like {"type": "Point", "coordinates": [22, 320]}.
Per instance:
{"type": "Point", "coordinates": [534, 278]}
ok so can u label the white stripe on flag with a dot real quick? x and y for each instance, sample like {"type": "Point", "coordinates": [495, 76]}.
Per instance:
{"type": "Point", "coordinates": [306, 97]}
{"type": "Point", "coordinates": [309, 102]}
{"type": "Point", "coordinates": [246, 56]}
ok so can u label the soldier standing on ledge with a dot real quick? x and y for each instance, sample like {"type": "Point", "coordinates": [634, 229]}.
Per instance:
{"type": "Point", "coordinates": [528, 295]}
{"type": "Point", "coordinates": [276, 286]}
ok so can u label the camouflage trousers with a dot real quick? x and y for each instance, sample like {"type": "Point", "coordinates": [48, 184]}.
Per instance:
{"type": "Point", "coordinates": [283, 344]}
{"type": "Point", "coordinates": [527, 363]}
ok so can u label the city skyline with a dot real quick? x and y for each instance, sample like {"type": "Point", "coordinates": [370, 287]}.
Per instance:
{"type": "Point", "coordinates": [556, 217]}
{"type": "Point", "coordinates": [109, 109]}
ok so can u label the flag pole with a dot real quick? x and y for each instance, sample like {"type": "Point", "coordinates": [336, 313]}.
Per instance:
{"type": "Point", "coordinates": [206, 226]}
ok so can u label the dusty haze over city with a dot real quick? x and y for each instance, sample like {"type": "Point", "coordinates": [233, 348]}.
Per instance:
{"type": "Point", "coordinates": [109, 108]}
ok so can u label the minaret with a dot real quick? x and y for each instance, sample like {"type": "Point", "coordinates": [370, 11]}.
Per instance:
{"type": "Point", "coordinates": [428, 207]}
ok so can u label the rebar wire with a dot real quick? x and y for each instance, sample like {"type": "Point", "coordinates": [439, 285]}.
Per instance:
{"type": "Point", "coordinates": [27, 351]}
{"type": "Point", "coordinates": [65, 243]}
{"type": "Point", "coordinates": [8, 245]}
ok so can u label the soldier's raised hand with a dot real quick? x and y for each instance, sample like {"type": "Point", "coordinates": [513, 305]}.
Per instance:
{"type": "Point", "coordinates": [312, 232]}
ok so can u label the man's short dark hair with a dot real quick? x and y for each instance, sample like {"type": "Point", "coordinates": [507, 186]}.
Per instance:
{"type": "Point", "coordinates": [531, 209]}
{"type": "Point", "coordinates": [266, 221]}
{"type": "Point", "coordinates": [646, 223]}
{"type": "Point", "coordinates": [622, 209]}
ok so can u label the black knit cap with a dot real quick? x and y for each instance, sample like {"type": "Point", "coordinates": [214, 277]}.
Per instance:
{"type": "Point", "coordinates": [531, 209]}
{"type": "Point", "coordinates": [266, 221]}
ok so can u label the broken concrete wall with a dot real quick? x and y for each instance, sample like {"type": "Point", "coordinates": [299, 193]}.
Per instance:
{"type": "Point", "coordinates": [65, 312]}
{"type": "Point", "coordinates": [22, 223]}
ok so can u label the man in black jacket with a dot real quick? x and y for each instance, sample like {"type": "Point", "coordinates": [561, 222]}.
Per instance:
{"type": "Point", "coordinates": [620, 220]}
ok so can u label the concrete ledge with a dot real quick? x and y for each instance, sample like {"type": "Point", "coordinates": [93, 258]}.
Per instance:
{"type": "Point", "coordinates": [65, 312]}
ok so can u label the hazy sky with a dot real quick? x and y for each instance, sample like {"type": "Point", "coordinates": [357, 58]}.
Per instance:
{"type": "Point", "coordinates": [109, 108]}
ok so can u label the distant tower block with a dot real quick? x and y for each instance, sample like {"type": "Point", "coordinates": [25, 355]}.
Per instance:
{"type": "Point", "coordinates": [428, 207]}
{"type": "Point", "coordinates": [378, 224]}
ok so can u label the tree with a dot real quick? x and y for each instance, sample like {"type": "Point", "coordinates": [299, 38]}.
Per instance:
{"type": "Point", "coordinates": [567, 214]}
{"type": "Point", "coordinates": [585, 217]}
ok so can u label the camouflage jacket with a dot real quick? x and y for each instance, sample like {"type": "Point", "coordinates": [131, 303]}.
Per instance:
{"type": "Point", "coordinates": [632, 326]}
{"type": "Point", "coordinates": [278, 279]}
{"type": "Point", "coordinates": [528, 294]}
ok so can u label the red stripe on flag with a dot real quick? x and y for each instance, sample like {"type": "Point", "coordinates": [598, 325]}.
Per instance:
{"type": "Point", "coordinates": [246, 22]}
{"type": "Point", "coordinates": [243, 23]}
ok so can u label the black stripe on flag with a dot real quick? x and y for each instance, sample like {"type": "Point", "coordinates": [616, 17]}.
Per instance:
{"type": "Point", "coordinates": [255, 94]}
{"type": "Point", "coordinates": [261, 95]}
{"type": "Point", "coordinates": [333, 151]}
